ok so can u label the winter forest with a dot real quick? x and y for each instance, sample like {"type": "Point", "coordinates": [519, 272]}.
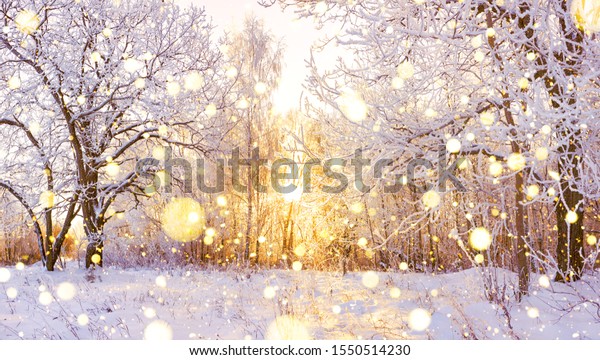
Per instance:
{"type": "Point", "coordinates": [436, 175]}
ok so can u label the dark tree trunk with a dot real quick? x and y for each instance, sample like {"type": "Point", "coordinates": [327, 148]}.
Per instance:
{"type": "Point", "coordinates": [95, 247]}
{"type": "Point", "coordinates": [569, 248]}
{"type": "Point", "coordinates": [569, 245]}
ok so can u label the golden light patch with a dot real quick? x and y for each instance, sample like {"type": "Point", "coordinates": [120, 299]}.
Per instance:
{"type": "Point", "coordinates": [541, 154]}
{"type": "Point", "coordinates": [139, 83]}
{"type": "Point", "coordinates": [533, 312]}
{"type": "Point", "coordinates": [45, 298]}
{"type": "Point", "coordinates": [571, 217]}
{"type": "Point", "coordinates": [405, 70]}
{"type": "Point", "coordinates": [487, 118]}
{"type": "Point", "coordinates": [352, 105]}
{"type": "Point", "coordinates": [287, 328]}
{"type": "Point", "coordinates": [66, 291]}
{"type": "Point", "coordinates": [362, 242]}
{"type": "Point", "coordinates": [96, 259]}
{"type": "Point", "coordinates": [83, 320]}
{"type": "Point", "coordinates": [269, 292]}
{"type": "Point", "coordinates": [158, 330]}
{"type": "Point", "coordinates": [173, 88]}
{"type": "Point", "coordinates": [210, 110]}
{"type": "Point", "coordinates": [183, 219]}
{"type": "Point", "coordinates": [453, 146]}
{"type": "Point", "coordinates": [221, 201]}
{"type": "Point", "coordinates": [47, 199]}
{"type": "Point", "coordinates": [27, 21]}
{"type": "Point", "coordinates": [14, 82]}
{"type": "Point", "coordinates": [533, 191]}
{"type": "Point", "coordinates": [431, 199]}
{"type": "Point", "coordinates": [586, 14]}
{"type": "Point", "coordinates": [516, 161]}
{"type": "Point", "coordinates": [370, 279]}
{"type": "Point", "coordinates": [419, 319]}
{"type": "Point", "coordinates": [12, 293]}
{"type": "Point", "coordinates": [480, 239]}
{"type": "Point", "coordinates": [260, 88]}
{"type": "Point", "coordinates": [523, 83]}
{"type": "Point", "coordinates": [357, 207]}
{"type": "Point", "coordinates": [4, 275]}
{"type": "Point", "coordinates": [95, 57]}
{"type": "Point", "coordinates": [132, 65]}
{"type": "Point", "coordinates": [296, 266]}
{"type": "Point", "coordinates": [193, 81]}
{"type": "Point", "coordinates": [112, 169]}
{"type": "Point", "coordinates": [161, 281]}
{"type": "Point", "coordinates": [495, 169]}
{"type": "Point", "coordinates": [544, 281]}
{"type": "Point", "coordinates": [300, 250]}
{"type": "Point", "coordinates": [479, 259]}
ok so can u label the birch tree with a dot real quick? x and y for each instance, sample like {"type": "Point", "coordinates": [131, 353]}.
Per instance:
{"type": "Point", "coordinates": [254, 61]}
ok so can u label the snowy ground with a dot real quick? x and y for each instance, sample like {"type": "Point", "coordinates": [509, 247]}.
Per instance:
{"type": "Point", "coordinates": [184, 304]}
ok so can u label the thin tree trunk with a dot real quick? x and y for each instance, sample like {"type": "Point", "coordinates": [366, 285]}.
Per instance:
{"type": "Point", "coordinates": [521, 250]}
{"type": "Point", "coordinates": [520, 213]}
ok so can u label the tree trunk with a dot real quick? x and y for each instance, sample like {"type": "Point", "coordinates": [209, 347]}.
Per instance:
{"type": "Point", "coordinates": [249, 194]}
{"type": "Point", "coordinates": [248, 221]}
{"type": "Point", "coordinates": [570, 235]}
{"type": "Point", "coordinates": [95, 247]}
{"type": "Point", "coordinates": [520, 216]}
{"type": "Point", "coordinates": [287, 233]}
{"type": "Point", "coordinates": [569, 248]}
{"type": "Point", "coordinates": [521, 250]}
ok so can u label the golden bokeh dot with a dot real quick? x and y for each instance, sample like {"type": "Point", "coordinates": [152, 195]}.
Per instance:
{"type": "Point", "coordinates": [96, 259]}
{"type": "Point", "coordinates": [370, 279]}
{"type": "Point", "coordinates": [544, 281]}
{"type": "Point", "coordinates": [571, 217]}
{"type": "Point", "coordinates": [431, 199]}
{"type": "Point", "coordinates": [66, 291]}
{"type": "Point", "coordinates": [183, 219]}
{"type": "Point", "coordinates": [533, 312]}
{"type": "Point", "coordinates": [480, 239]}
{"type": "Point", "coordinates": [269, 292]}
{"type": "Point", "coordinates": [419, 319]}
{"type": "Point", "coordinates": [479, 259]}
{"type": "Point", "coordinates": [27, 21]}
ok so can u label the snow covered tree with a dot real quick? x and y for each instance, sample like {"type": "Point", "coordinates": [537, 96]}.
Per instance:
{"type": "Point", "coordinates": [510, 82]}
{"type": "Point", "coordinates": [88, 87]}
{"type": "Point", "coordinates": [254, 61]}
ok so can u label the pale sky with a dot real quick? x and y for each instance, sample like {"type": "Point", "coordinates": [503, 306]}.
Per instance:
{"type": "Point", "coordinates": [298, 36]}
